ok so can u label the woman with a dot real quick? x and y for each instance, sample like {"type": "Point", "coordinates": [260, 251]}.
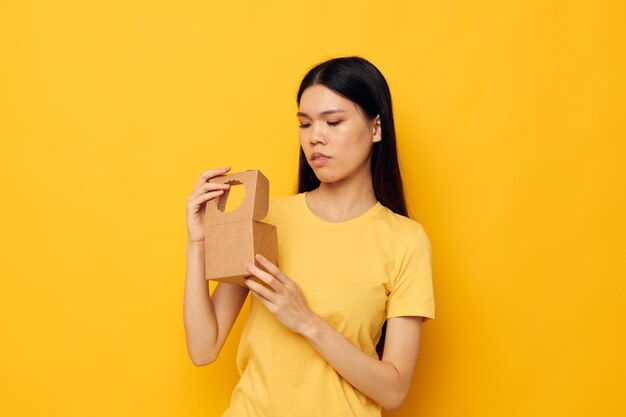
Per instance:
{"type": "Point", "coordinates": [354, 270]}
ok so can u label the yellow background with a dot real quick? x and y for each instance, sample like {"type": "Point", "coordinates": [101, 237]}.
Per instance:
{"type": "Point", "coordinates": [510, 118]}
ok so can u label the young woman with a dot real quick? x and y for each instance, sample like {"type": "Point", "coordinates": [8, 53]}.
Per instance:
{"type": "Point", "coordinates": [355, 271]}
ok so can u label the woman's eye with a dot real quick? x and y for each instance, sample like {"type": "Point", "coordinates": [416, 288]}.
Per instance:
{"type": "Point", "coordinates": [305, 125]}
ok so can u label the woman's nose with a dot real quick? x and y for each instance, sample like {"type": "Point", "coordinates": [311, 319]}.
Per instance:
{"type": "Point", "coordinates": [317, 134]}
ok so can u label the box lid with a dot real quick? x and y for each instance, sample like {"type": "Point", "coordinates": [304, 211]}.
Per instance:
{"type": "Point", "coordinates": [255, 204]}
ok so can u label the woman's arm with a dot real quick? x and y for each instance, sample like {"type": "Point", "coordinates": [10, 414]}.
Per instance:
{"type": "Point", "coordinates": [208, 319]}
{"type": "Point", "coordinates": [385, 381]}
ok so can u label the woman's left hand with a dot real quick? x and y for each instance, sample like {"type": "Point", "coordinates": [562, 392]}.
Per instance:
{"type": "Point", "coordinates": [284, 298]}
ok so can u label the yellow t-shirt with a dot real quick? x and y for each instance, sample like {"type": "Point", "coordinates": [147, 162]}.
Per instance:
{"type": "Point", "coordinates": [354, 274]}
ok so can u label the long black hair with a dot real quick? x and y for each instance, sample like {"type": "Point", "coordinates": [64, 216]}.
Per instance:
{"type": "Point", "coordinates": [358, 80]}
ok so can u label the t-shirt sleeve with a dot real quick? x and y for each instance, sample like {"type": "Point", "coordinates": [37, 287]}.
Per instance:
{"type": "Point", "coordinates": [412, 292]}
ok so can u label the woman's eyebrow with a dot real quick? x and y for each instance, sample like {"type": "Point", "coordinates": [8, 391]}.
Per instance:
{"type": "Point", "coordinates": [331, 111]}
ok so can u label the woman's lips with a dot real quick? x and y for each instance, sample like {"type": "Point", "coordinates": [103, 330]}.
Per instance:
{"type": "Point", "coordinates": [319, 159]}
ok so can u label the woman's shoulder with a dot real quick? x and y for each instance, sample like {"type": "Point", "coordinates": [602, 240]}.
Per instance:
{"type": "Point", "coordinates": [404, 231]}
{"type": "Point", "coordinates": [401, 223]}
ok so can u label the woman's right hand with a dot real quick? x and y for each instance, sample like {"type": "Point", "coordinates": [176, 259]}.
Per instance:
{"type": "Point", "coordinates": [196, 204]}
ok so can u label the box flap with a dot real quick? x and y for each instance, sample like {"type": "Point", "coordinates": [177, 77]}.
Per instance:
{"type": "Point", "coordinates": [254, 206]}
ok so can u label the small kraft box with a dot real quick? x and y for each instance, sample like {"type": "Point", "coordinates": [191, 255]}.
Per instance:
{"type": "Point", "coordinates": [233, 238]}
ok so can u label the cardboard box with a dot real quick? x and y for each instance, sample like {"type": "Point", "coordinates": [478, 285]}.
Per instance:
{"type": "Point", "coordinates": [233, 238]}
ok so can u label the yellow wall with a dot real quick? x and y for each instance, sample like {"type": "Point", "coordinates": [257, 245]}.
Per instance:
{"type": "Point", "coordinates": [510, 118]}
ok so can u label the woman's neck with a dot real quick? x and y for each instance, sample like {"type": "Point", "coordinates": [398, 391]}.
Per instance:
{"type": "Point", "coordinates": [342, 200]}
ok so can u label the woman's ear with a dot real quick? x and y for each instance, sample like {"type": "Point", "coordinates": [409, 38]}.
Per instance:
{"type": "Point", "coordinates": [376, 130]}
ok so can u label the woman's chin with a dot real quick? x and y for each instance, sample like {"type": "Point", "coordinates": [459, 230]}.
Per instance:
{"type": "Point", "coordinates": [327, 174]}
{"type": "Point", "coordinates": [327, 178]}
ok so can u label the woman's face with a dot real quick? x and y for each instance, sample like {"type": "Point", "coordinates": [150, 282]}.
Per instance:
{"type": "Point", "coordinates": [335, 134]}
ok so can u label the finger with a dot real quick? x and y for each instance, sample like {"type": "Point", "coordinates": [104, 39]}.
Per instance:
{"type": "Point", "coordinates": [207, 187]}
{"type": "Point", "coordinates": [207, 176]}
{"type": "Point", "coordinates": [197, 201]}
{"type": "Point", "coordinates": [210, 186]}
{"type": "Point", "coordinates": [210, 174]}
{"type": "Point", "coordinates": [267, 303]}
{"type": "Point", "coordinates": [267, 278]}
{"type": "Point", "coordinates": [260, 289]}
{"type": "Point", "coordinates": [271, 268]}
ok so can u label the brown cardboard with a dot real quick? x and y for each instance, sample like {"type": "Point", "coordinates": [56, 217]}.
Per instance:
{"type": "Point", "coordinates": [233, 238]}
